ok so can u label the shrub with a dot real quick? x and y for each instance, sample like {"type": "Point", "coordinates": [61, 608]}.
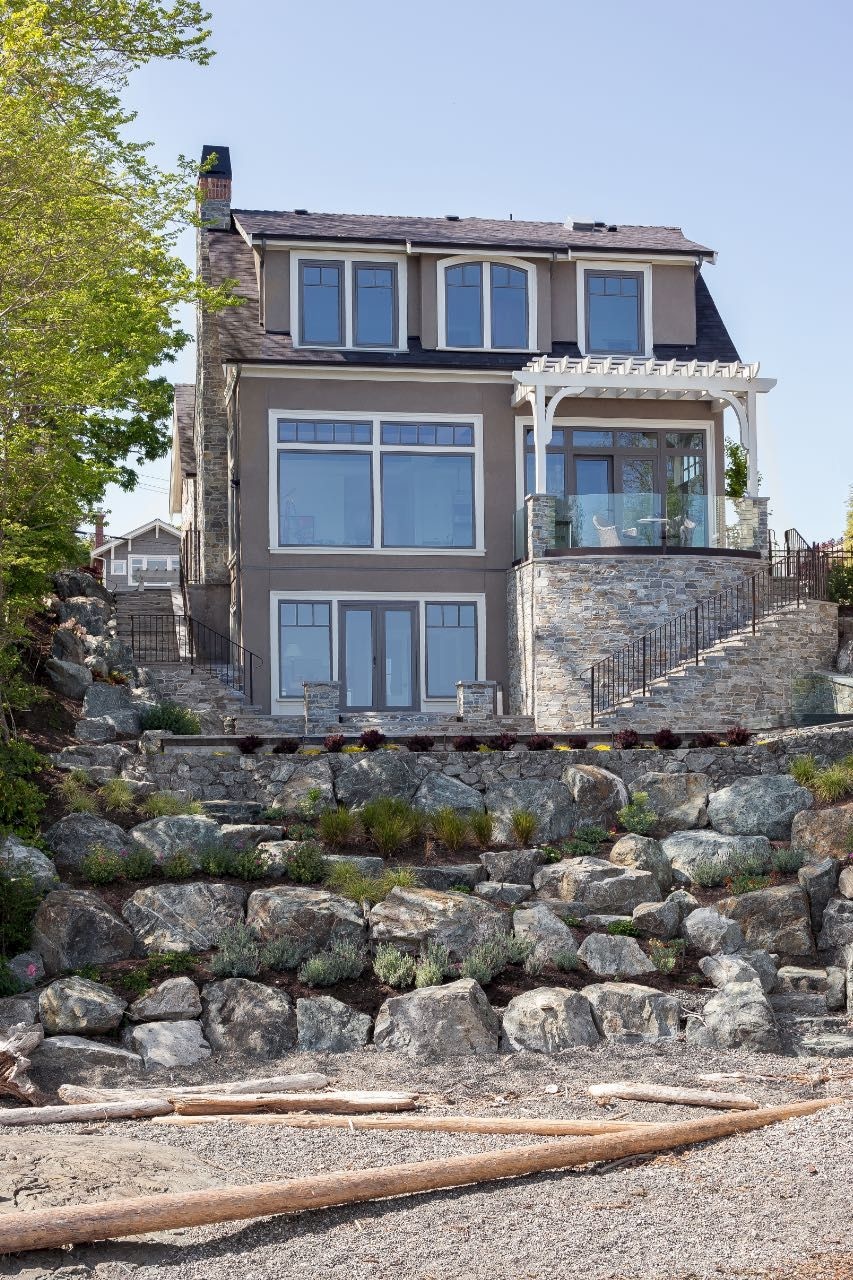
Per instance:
{"type": "Point", "coordinates": [737, 736]}
{"type": "Point", "coordinates": [286, 747]}
{"type": "Point", "coordinates": [540, 742]}
{"type": "Point", "coordinates": [622, 929]}
{"type": "Point", "coordinates": [281, 954]}
{"type": "Point", "coordinates": [709, 872]}
{"type": "Point", "coordinates": [249, 744]}
{"type": "Point", "coordinates": [334, 742]}
{"type": "Point", "coordinates": [346, 879]}
{"type": "Point", "coordinates": [420, 742]}
{"type": "Point", "coordinates": [165, 804]}
{"type": "Point", "coordinates": [627, 740]}
{"type": "Point", "coordinates": [274, 815]}
{"type": "Point", "coordinates": [214, 858]}
{"type": "Point", "coordinates": [503, 741]}
{"type": "Point", "coordinates": [311, 803]}
{"type": "Point", "coordinates": [742, 882]}
{"type": "Point", "coordinates": [701, 741]}
{"type": "Point", "coordinates": [482, 827]}
{"type": "Point", "coordinates": [666, 740]}
{"type": "Point", "coordinates": [492, 954]}
{"type": "Point", "coordinates": [139, 863]}
{"type": "Point", "coordinates": [433, 965]}
{"type": "Point", "coordinates": [21, 800]}
{"type": "Point", "coordinates": [179, 865]}
{"type": "Point", "coordinates": [466, 742]}
{"type": "Point", "coordinates": [787, 861]}
{"type": "Point", "coordinates": [342, 961]}
{"type": "Point", "coordinates": [174, 963]}
{"type": "Point", "coordinates": [391, 824]}
{"type": "Point", "coordinates": [19, 900]}
{"type": "Point", "coordinates": [352, 749]}
{"type": "Point", "coordinates": [394, 967]}
{"type": "Point", "coordinates": [102, 866]}
{"type": "Point", "coordinates": [118, 795]}
{"type": "Point", "coordinates": [523, 825]}
{"type": "Point", "coordinates": [337, 827]}
{"type": "Point", "coordinates": [831, 784]}
{"type": "Point", "coordinates": [566, 961]}
{"type": "Point", "coordinates": [803, 769]}
{"type": "Point", "coordinates": [170, 718]}
{"type": "Point", "coordinates": [666, 956]}
{"type": "Point", "coordinates": [577, 742]}
{"type": "Point", "coordinates": [584, 841]}
{"type": "Point", "coordinates": [449, 828]}
{"type": "Point", "coordinates": [238, 955]}
{"type": "Point", "coordinates": [306, 864]}
{"type": "Point", "coordinates": [371, 739]}
{"type": "Point", "coordinates": [75, 793]}
{"type": "Point", "coordinates": [248, 863]}
{"type": "Point", "coordinates": [839, 584]}
{"type": "Point", "coordinates": [299, 831]}
{"type": "Point", "coordinates": [9, 984]}
{"type": "Point", "coordinates": [636, 816]}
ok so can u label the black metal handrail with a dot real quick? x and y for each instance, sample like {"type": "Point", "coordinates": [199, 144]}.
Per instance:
{"type": "Point", "coordinates": [158, 639]}
{"type": "Point", "coordinates": [791, 579]}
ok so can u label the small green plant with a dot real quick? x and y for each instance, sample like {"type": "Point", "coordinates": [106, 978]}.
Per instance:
{"type": "Point", "coordinates": [666, 956]}
{"type": "Point", "coordinates": [803, 769]}
{"type": "Point", "coordinates": [708, 873]}
{"type": "Point", "coordinates": [482, 827]}
{"type": "Point", "coordinates": [165, 804]}
{"type": "Point", "coordinates": [342, 961]}
{"type": "Point", "coordinates": [75, 793]}
{"type": "Point", "coordinates": [179, 865]}
{"type": "Point", "coordinates": [306, 864]}
{"type": "Point", "coordinates": [391, 824]}
{"type": "Point", "coordinates": [214, 858]}
{"type": "Point", "coordinates": [787, 862]}
{"type": "Point", "coordinates": [170, 718]}
{"type": "Point", "coordinates": [102, 865]}
{"type": "Point", "coordinates": [636, 816]}
{"type": "Point", "coordinates": [173, 963]}
{"type": "Point", "coordinates": [117, 795]}
{"type": "Point", "coordinates": [736, 471]}
{"type": "Point", "coordinates": [583, 843]}
{"type": "Point", "coordinates": [311, 803]}
{"type": "Point", "coordinates": [393, 967]}
{"type": "Point", "coordinates": [87, 971]}
{"type": "Point", "coordinates": [490, 956]}
{"type": "Point", "coordinates": [248, 863]}
{"type": "Point", "coordinates": [281, 954]}
{"type": "Point", "coordinates": [275, 815]}
{"type": "Point", "coordinates": [523, 825]}
{"type": "Point", "coordinates": [566, 961]}
{"type": "Point", "coordinates": [337, 828]}
{"type": "Point", "coordinates": [21, 800]}
{"type": "Point", "coordinates": [346, 879]}
{"type": "Point", "coordinates": [832, 784]}
{"type": "Point", "coordinates": [433, 965]}
{"type": "Point", "coordinates": [449, 828]}
{"type": "Point", "coordinates": [622, 929]}
{"type": "Point", "coordinates": [741, 882]}
{"type": "Point", "coordinates": [139, 863]}
{"type": "Point", "coordinates": [238, 954]}
{"type": "Point", "coordinates": [839, 584]}
{"type": "Point", "coordinates": [9, 984]}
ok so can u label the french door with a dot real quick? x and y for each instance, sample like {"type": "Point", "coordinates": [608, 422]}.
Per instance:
{"type": "Point", "coordinates": [378, 658]}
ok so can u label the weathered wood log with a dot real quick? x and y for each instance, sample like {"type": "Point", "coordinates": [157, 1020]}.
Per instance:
{"type": "Point", "coordinates": [76, 1224]}
{"type": "Point", "coordinates": [140, 1109]}
{"type": "Point", "coordinates": [422, 1124]}
{"type": "Point", "coordinates": [342, 1103]}
{"type": "Point", "coordinates": [676, 1097]}
{"type": "Point", "coordinates": [16, 1045]}
{"type": "Point", "coordinates": [265, 1084]}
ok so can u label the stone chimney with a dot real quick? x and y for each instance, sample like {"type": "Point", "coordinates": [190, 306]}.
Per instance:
{"type": "Point", "coordinates": [215, 188]}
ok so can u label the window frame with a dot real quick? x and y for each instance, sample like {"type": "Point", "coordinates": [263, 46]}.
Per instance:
{"type": "Point", "coordinates": [347, 261]}
{"type": "Point", "coordinates": [282, 696]}
{"type": "Point", "coordinates": [340, 267]}
{"type": "Point", "coordinates": [433, 697]}
{"type": "Point", "coordinates": [358, 264]}
{"type": "Point", "coordinates": [615, 267]}
{"type": "Point", "coordinates": [325, 450]}
{"type": "Point", "coordinates": [486, 262]}
{"type": "Point", "coordinates": [115, 571]}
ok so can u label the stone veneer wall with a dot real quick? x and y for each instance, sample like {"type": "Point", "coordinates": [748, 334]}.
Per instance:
{"type": "Point", "coordinates": [566, 613]}
{"type": "Point", "coordinates": [211, 437]}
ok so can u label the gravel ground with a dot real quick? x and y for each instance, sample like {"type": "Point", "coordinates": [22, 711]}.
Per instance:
{"type": "Point", "coordinates": [773, 1203]}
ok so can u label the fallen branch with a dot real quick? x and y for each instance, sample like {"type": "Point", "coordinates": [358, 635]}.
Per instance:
{"type": "Point", "coordinates": [138, 1109]}
{"type": "Point", "coordinates": [76, 1224]}
{"type": "Point", "coordinates": [677, 1097]}
{"type": "Point", "coordinates": [423, 1124]}
{"type": "Point", "coordinates": [266, 1084]}
{"type": "Point", "coordinates": [343, 1103]}
{"type": "Point", "coordinates": [16, 1046]}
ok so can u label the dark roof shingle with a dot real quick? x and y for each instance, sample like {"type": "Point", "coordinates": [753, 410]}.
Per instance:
{"type": "Point", "coordinates": [185, 424]}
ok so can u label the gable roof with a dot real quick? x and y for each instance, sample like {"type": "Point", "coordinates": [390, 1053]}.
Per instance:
{"type": "Point", "coordinates": [162, 525]}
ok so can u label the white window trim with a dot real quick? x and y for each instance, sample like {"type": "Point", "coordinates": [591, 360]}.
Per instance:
{"type": "Point", "coordinates": [115, 571]}
{"type": "Point", "coordinates": [348, 260]}
{"type": "Point", "coordinates": [359, 415]}
{"type": "Point", "coordinates": [459, 260]}
{"type": "Point", "coordinates": [292, 706]}
{"type": "Point", "coordinates": [617, 267]}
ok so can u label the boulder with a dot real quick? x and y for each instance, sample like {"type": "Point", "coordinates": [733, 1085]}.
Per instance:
{"type": "Point", "coordinates": [73, 838]}
{"type": "Point", "coordinates": [599, 920]}
{"type": "Point", "coordinates": [631, 1010]}
{"type": "Point", "coordinates": [819, 879]}
{"type": "Point", "coordinates": [183, 917]}
{"type": "Point", "coordinates": [21, 861]}
{"type": "Point", "coordinates": [684, 901]}
{"type": "Point", "coordinates": [710, 933]}
{"type": "Point", "coordinates": [70, 679]}
{"type": "Point", "coordinates": [81, 1056]}
{"type": "Point", "coordinates": [175, 1000]}
{"type": "Point", "coordinates": [438, 791]}
{"type": "Point", "coordinates": [74, 928]}
{"type": "Point", "coordinates": [550, 802]}
{"type": "Point", "coordinates": [613, 956]}
{"type": "Point", "coordinates": [168, 1044]}
{"type": "Point", "coordinates": [15, 1010]}
{"type": "Point", "coordinates": [837, 930]}
{"type": "Point", "coordinates": [447, 876]}
{"type": "Point", "coordinates": [548, 1020]}
{"type": "Point", "coordinates": [517, 866]}
{"type": "Point", "coordinates": [822, 833]}
{"type": "Point", "coordinates": [247, 835]}
{"type": "Point", "coordinates": [679, 799]}
{"type": "Point", "coordinates": [685, 849]}
{"type": "Point", "coordinates": [448, 1021]}
{"type": "Point", "coordinates": [377, 773]}
{"type": "Point", "coordinates": [503, 895]}
{"type": "Point", "coordinates": [68, 646]}
{"type": "Point", "coordinates": [658, 919]}
{"type": "Point", "coordinates": [644, 854]}
{"type": "Point", "coordinates": [775, 919]}
{"type": "Point", "coordinates": [236, 812]}
{"type": "Point", "coordinates": [97, 730]}
{"type": "Point", "coordinates": [836, 989]}
{"type": "Point", "coordinates": [845, 883]}
{"type": "Point", "coordinates": [738, 1017]}
{"type": "Point", "coordinates": [243, 1017]}
{"type": "Point", "coordinates": [76, 1006]}
{"type": "Point", "coordinates": [720, 970]}
{"type": "Point", "coordinates": [597, 793]}
{"type": "Point", "coordinates": [99, 761]}
{"type": "Point", "coordinates": [91, 613]}
{"type": "Point", "coordinates": [70, 583]}
{"type": "Point", "coordinates": [762, 806]}
{"type": "Point", "coordinates": [104, 699]}
{"type": "Point", "coordinates": [308, 788]}
{"type": "Point", "coordinates": [184, 833]}
{"type": "Point", "coordinates": [796, 978]}
{"type": "Point", "coordinates": [409, 918]}
{"type": "Point", "coordinates": [28, 969]}
{"type": "Point", "coordinates": [365, 863]}
{"type": "Point", "coordinates": [549, 935]}
{"type": "Point", "coordinates": [599, 884]}
{"type": "Point", "coordinates": [312, 917]}
{"type": "Point", "coordinates": [326, 1025]}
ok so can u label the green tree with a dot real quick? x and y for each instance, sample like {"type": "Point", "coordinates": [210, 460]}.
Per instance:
{"type": "Point", "coordinates": [848, 523]}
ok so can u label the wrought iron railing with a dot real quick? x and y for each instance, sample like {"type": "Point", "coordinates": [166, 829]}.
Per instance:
{"type": "Point", "coordinates": [158, 639]}
{"type": "Point", "coordinates": [191, 555]}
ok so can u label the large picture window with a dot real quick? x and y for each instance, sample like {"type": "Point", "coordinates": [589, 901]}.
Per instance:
{"type": "Point", "coordinates": [485, 305]}
{"type": "Point", "coordinates": [305, 645]}
{"type": "Point", "coordinates": [427, 500]}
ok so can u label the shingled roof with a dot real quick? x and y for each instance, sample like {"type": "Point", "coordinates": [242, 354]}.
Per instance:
{"type": "Point", "coordinates": [184, 412]}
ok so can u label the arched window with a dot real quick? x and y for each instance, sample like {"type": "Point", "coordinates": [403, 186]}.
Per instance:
{"type": "Point", "coordinates": [485, 304]}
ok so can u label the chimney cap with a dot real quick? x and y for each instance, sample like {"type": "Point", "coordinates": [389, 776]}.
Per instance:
{"type": "Point", "coordinates": [222, 167]}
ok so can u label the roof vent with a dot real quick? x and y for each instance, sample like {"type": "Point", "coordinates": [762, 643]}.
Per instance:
{"type": "Point", "coordinates": [587, 224]}
{"type": "Point", "coordinates": [302, 211]}
{"type": "Point", "coordinates": [452, 217]}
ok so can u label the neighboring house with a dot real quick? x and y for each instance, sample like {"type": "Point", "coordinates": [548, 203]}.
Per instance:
{"type": "Point", "coordinates": [145, 557]}
{"type": "Point", "coordinates": [427, 451]}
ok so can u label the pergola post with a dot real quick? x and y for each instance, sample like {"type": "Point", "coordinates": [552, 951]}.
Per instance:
{"type": "Point", "coordinates": [542, 431]}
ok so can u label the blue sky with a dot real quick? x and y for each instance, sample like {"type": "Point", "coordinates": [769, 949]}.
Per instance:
{"type": "Point", "coordinates": [731, 120]}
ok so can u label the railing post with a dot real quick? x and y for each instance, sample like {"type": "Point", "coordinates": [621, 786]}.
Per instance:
{"type": "Point", "coordinates": [696, 632]}
{"type": "Point", "coordinates": [592, 697]}
{"type": "Point", "coordinates": [752, 587]}
{"type": "Point", "coordinates": [251, 679]}
{"type": "Point", "coordinates": [645, 638]}
{"type": "Point", "coordinates": [798, 579]}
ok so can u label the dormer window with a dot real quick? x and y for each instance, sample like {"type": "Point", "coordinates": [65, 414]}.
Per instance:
{"type": "Point", "coordinates": [486, 305]}
{"type": "Point", "coordinates": [375, 304]}
{"type": "Point", "coordinates": [614, 311]}
{"type": "Point", "coordinates": [321, 304]}
{"type": "Point", "coordinates": [347, 301]}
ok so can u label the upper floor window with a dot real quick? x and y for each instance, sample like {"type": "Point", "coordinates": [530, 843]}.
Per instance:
{"type": "Point", "coordinates": [321, 304]}
{"type": "Point", "coordinates": [347, 302]}
{"type": "Point", "coordinates": [486, 305]}
{"type": "Point", "coordinates": [375, 304]}
{"type": "Point", "coordinates": [614, 312]}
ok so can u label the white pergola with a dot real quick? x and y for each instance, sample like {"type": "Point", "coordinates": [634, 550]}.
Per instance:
{"type": "Point", "coordinates": [547, 381]}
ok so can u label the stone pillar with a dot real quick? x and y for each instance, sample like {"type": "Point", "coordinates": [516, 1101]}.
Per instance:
{"type": "Point", "coordinates": [541, 523]}
{"type": "Point", "coordinates": [761, 524]}
{"type": "Point", "coordinates": [475, 699]}
{"type": "Point", "coordinates": [322, 706]}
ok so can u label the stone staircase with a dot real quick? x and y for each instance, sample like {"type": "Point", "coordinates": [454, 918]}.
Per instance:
{"type": "Point", "coordinates": [148, 622]}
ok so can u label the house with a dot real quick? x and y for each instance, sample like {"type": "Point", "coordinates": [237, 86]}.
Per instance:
{"type": "Point", "coordinates": [442, 465]}
{"type": "Point", "coordinates": [142, 558]}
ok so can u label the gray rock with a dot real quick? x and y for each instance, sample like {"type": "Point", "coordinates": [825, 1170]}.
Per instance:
{"type": "Point", "coordinates": [74, 928]}
{"type": "Point", "coordinates": [438, 791]}
{"type": "Point", "coordinates": [76, 1006]}
{"type": "Point", "coordinates": [631, 1010]}
{"type": "Point", "coordinates": [68, 646]}
{"type": "Point", "coordinates": [97, 666]}
{"type": "Point", "coordinates": [597, 793]}
{"type": "Point", "coordinates": [168, 1044]}
{"type": "Point", "coordinates": [104, 699]}
{"type": "Point", "coordinates": [685, 849]}
{"type": "Point", "coordinates": [110, 758]}
{"type": "Point", "coordinates": [73, 838]}
{"type": "Point", "coordinates": [826, 1044]}
{"type": "Point", "coordinates": [548, 1020]}
{"type": "Point", "coordinates": [184, 833]}
{"type": "Point", "coordinates": [836, 989]}
{"type": "Point", "coordinates": [503, 894]}
{"type": "Point", "coordinates": [74, 583]}
{"type": "Point", "coordinates": [775, 919]}
{"type": "Point", "coordinates": [720, 970]}
{"type": "Point", "coordinates": [658, 919]}
{"type": "Point", "coordinates": [175, 1000]}
{"type": "Point", "coordinates": [599, 884]}
{"type": "Point", "coordinates": [711, 933]}
{"type": "Point", "coordinates": [248, 835]}
{"type": "Point", "coordinates": [822, 833]}
{"type": "Point", "coordinates": [762, 806]}
{"type": "Point", "coordinates": [609, 956]}
{"type": "Point", "coordinates": [277, 854]}
{"type": "Point", "coordinates": [845, 882]}
{"type": "Point", "coordinates": [28, 969]}
{"type": "Point", "coordinates": [378, 773]}
{"type": "Point", "coordinates": [313, 918]}
{"type": "Point", "coordinates": [92, 614]}
{"type": "Point", "coordinates": [21, 861]}
{"type": "Point", "coordinates": [819, 879]}
{"type": "Point", "coordinates": [797, 978]}
{"type": "Point", "coordinates": [183, 917]}
{"type": "Point", "coordinates": [447, 1021]}
{"type": "Point", "coordinates": [15, 1010]}
{"type": "Point", "coordinates": [679, 799]}
{"type": "Point", "coordinates": [738, 1016]}
{"type": "Point", "coordinates": [684, 901]}
{"type": "Point", "coordinates": [446, 875]}
{"type": "Point", "coordinates": [125, 723]}
{"type": "Point", "coordinates": [326, 1025]}
{"type": "Point", "coordinates": [81, 1056]}
{"type": "Point", "coordinates": [96, 730]}
{"type": "Point", "coordinates": [644, 854]}
{"type": "Point", "coordinates": [516, 866]}
{"type": "Point", "coordinates": [243, 1017]}
{"type": "Point", "coordinates": [365, 863]}
{"type": "Point", "coordinates": [308, 788]}
{"type": "Point", "coordinates": [837, 931]}
{"type": "Point", "coordinates": [235, 812]}
{"type": "Point", "coordinates": [602, 921]}
{"type": "Point", "coordinates": [548, 933]}
{"type": "Point", "coordinates": [68, 678]}
{"type": "Point", "coordinates": [410, 918]}
{"type": "Point", "coordinates": [551, 803]}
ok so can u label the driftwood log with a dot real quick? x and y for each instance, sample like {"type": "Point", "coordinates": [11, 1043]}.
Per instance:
{"type": "Point", "coordinates": [677, 1097]}
{"type": "Point", "coordinates": [58, 1226]}
{"type": "Point", "coordinates": [265, 1084]}
{"type": "Point", "coordinates": [355, 1102]}
{"type": "Point", "coordinates": [139, 1109]}
{"type": "Point", "coordinates": [16, 1045]}
{"type": "Point", "coordinates": [422, 1124]}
